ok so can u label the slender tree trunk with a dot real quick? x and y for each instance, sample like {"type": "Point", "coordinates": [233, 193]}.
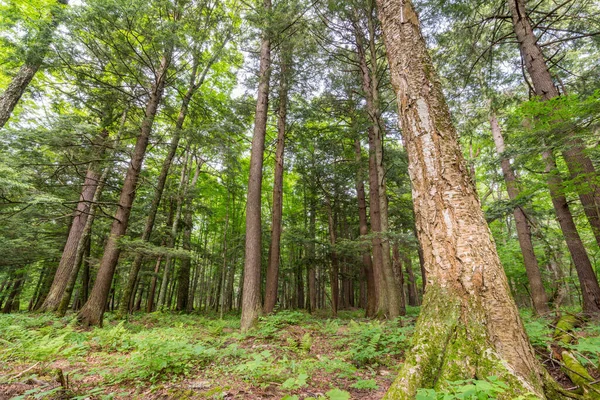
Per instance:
{"type": "Point", "coordinates": [312, 256]}
{"type": "Point", "coordinates": [590, 290]}
{"type": "Point", "coordinates": [335, 291]}
{"type": "Point", "coordinates": [152, 291]}
{"type": "Point", "coordinates": [14, 293]}
{"type": "Point", "coordinates": [413, 298]}
{"type": "Point", "coordinates": [92, 311]}
{"type": "Point", "coordinates": [469, 325]}
{"type": "Point", "coordinates": [224, 269]}
{"type": "Point", "coordinates": [579, 164]}
{"type": "Point", "coordinates": [76, 231]}
{"type": "Point", "coordinates": [34, 59]}
{"type": "Point", "coordinates": [538, 293]}
{"type": "Point", "coordinates": [274, 249]}
{"type": "Point", "coordinates": [251, 304]}
{"type": "Point", "coordinates": [193, 86]}
{"type": "Point", "coordinates": [371, 303]}
{"type": "Point", "coordinates": [183, 285]}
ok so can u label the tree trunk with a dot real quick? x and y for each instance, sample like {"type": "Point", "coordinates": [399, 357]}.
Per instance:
{"type": "Point", "coordinates": [590, 290]}
{"type": "Point", "coordinates": [312, 256]}
{"type": "Point", "coordinates": [33, 61]}
{"type": "Point", "coordinates": [251, 304]}
{"type": "Point", "coordinates": [274, 249]}
{"type": "Point", "coordinates": [76, 231]}
{"type": "Point", "coordinates": [538, 293]}
{"type": "Point", "coordinates": [371, 303]}
{"type": "Point", "coordinates": [469, 325]}
{"type": "Point", "coordinates": [193, 86]}
{"type": "Point", "coordinates": [333, 276]}
{"type": "Point", "coordinates": [92, 311]}
{"type": "Point", "coordinates": [579, 164]}
{"type": "Point", "coordinates": [170, 261]}
{"type": "Point", "coordinates": [183, 279]}
{"type": "Point", "coordinates": [413, 298]}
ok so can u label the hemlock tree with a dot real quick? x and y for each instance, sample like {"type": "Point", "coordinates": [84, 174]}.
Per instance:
{"type": "Point", "coordinates": [34, 58]}
{"type": "Point", "coordinates": [469, 325]}
{"type": "Point", "coordinates": [251, 304]}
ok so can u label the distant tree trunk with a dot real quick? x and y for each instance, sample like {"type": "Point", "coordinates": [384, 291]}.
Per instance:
{"type": "Point", "coordinates": [333, 276]}
{"type": "Point", "coordinates": [538, 293]}
{"type": "Point", "coordinates": [413, 298]}
{"type": "Point", "coordinates": [183, 279]}
{"type": "Point", "coordinates": [398, 272]}
{"type": "Point", "coordinates": [33, 61]}
{"type": "Point", "coordinates": [274, 249]}
{"type": "Point", "coordinates": [13, 295]}
{"type": "Point", "coordinates": [251, 304]}
{"type": "Point", "coordinates": [152, 291]}
{"type": "Point", "coordinates": [469, 325]}
{"type": "Point", "coordinates": [92, 311]}
{"type": "Point", "coordinates": [312, 256]}
{"type": "Point", "coordinates": [579, 164]}
{"type": "Point", "coordinates": [371, 303]}
{"type": "Point", "coordinates": [590, 290]}
{"type": "Point", "coordinates": [76, 231]}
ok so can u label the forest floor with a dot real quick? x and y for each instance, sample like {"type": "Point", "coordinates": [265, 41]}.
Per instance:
{"type": "Point", "coordinates": [291, 355]}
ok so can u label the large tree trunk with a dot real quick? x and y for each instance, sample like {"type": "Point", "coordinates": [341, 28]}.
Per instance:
{"type": "Point", "coordinates": [80, 217]}
{"type": "Point", "coordinates": [274, 249]}
{"type": "Point", "coordinates": [251, 304]}
{"type": "Point", "coordinates": [92, 311]}
{"type": "Point", "coordinates": [371, 304]}
{"type": "Point", "coordinates": [579, 164]}
{"type": "Point", "coordinates": [469, 325]}
{"type": "Point", "coordinates": [33, 61]}
{"type": "Point", "coordinates": [590, 291]}
{"type": "Point", "coordinates": [538, 293]}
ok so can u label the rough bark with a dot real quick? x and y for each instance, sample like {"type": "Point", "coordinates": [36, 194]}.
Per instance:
{"type": "Point", "coordinates": [469, 325]}
{"type": "Point", "coordinates": [33, 61]}
{"type": "Point", "coordinates": [371, 300]}
{"type": "Point", "coordinates": [251, 304]}
{"type": "Point", "coordinates": [536, 286]}
{"type": "Point", "coordinates": [92, 311]}
{"type": "Point", "coordinates": [590, 291]}
{"type": "Point", "coordinates": [274, 249]}
{"type": "Point", "coordinates": [579, 164]}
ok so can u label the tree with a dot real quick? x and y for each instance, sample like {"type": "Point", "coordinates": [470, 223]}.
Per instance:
{"type": "Point", "coordinates": [469, 324]}
{"type": "Point", "coordinates": [579, 164]}
{"type": "Point", "coordinates": [538, 294]}
{"type": "Point", "coordinates": [34, 58]}
{"type": "Point", "coordinates": [251, 304]}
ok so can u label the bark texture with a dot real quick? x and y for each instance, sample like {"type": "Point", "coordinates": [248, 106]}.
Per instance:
{"type": "Point", "coordinates": [469, 325]}
{"type": "Point", "coordinates": [92, 311]}
{"type": "Point", "coordinates": [251, 302]}
{"type": "Point", "coordinates": [579, 164]}
{"type": "Point", "coordinates": [538, 293]}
